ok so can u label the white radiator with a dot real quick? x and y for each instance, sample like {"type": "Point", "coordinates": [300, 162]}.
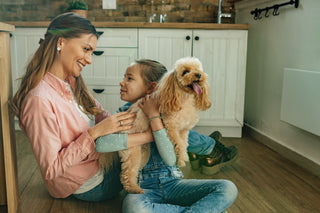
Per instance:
{"type": "Point", "coordinates": [301, 99]}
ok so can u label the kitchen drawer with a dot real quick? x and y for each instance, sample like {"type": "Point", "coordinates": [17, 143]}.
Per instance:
{"type": "Point", "coordinates": [108, 97]}
{"type": "Point", "coordinates": [109, 66]}
{"type": "Point", "coordinates": [115, 37]}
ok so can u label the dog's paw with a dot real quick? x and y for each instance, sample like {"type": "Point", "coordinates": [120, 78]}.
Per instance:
{"type": "Point", "coordinates": [181, 163]}
{"type": "Point", "coordinates": [135, 190]}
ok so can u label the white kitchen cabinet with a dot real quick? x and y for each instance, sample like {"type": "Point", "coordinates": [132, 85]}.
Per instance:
{"type": "Point", "coordinates": [116, 50]}
{"type": "Point", "coordinates": [108, 96]}
{"type": "Point", "coordinates": [109, 67]}
{"type": "Point", "coordinates": [106, 72]}
{"type": "Point", "coordinates": [118, 37]}
{"type": "Point", "coordinates": [165, 45]}
{"type": "Point", "coordinates": [24, 43]}
{"type": "Point", "coordinates": [222, 52]}
{"type": "Point", "coordinates": [223, 55]}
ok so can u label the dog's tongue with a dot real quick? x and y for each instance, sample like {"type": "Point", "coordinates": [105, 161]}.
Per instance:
{"type": "Point", "coordinates": [197, 88]}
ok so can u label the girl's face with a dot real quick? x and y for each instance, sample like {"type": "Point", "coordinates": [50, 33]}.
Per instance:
{"type": "Point", "coordinates": [75, 54]}
{"type": "Point", "coordinates": [133, 87]}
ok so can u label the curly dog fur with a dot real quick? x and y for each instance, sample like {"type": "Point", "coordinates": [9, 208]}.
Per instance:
{"type": "Point", "coordinates": [180, 95]}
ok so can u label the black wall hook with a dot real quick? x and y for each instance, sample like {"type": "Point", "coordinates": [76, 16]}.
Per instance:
{"type": "Point", "coordinates": [276, 10]}
{"type": "Point", "coordinates": [257, 12]}
{"type": "Point", "coordinates": [267, 12]}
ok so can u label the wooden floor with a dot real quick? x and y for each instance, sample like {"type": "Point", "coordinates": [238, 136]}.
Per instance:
{"type": "Point", "coordinates": [266, 182]}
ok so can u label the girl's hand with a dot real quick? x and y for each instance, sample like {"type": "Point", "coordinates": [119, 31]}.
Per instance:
{"type": "Point", "coordinates": [151, 109]}
{"type": "Point", "coordinates": [149, 106]}
{"type": "Point", "coordinates": [111, 124]}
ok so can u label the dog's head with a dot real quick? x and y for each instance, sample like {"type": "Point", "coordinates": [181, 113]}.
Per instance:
{"type": "Point", "coordinates": [190, 76]}
{"type": "Point", "coordinates": [187, 77]}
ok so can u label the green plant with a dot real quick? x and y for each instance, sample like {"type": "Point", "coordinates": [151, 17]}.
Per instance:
{"type": "Point", "coordinates": [77, 5]}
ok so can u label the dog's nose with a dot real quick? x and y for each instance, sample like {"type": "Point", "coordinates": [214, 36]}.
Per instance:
{"type": "Point", "coordinates": [198, 75]}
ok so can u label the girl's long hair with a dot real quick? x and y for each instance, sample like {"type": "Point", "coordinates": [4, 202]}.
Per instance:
{"type": "Point", "coordinates": [67, 25]}
{"type": "Point", "coordinates": [151, 70]}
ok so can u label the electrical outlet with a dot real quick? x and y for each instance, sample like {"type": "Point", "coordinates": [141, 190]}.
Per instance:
{"type": "Point", "coordinates": [109, 4]}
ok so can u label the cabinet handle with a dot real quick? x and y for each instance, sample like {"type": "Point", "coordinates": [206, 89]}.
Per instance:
{"type": "Point", "coordinates": [98, 90]}
{"type": "Point", "coordinates": [197, 38]}
{"type": "Point", "coordinates": [98, 52]}
{"type": "Point", "coordinates": [188, 38]}
{"type": "Point", "coordinates": [100, 33]}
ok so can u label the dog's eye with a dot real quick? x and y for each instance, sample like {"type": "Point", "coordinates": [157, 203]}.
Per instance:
{"type": "Point", "coordinates": [185, 72]}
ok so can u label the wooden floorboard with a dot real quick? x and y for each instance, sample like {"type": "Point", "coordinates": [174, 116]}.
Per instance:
{"type": "Point", "coordinates": [266, 181]}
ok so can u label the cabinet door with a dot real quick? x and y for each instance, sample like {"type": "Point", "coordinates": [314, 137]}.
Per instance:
{"type": "Point", "coordinates": [108, 96]}
{"type": "Point", "coordinates": [117, 37]}
{"type": "Point", "coordinates": [24, 43]}
{"type": "Point", "coordinates": [223, 54]}
{"type": "Point", "coordinates": [109, 67]}
{"type": "Point", "coordinates": [165, 45]}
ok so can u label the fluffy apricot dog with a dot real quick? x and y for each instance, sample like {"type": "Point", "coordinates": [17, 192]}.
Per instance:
{"type": "Point", "coordinates": [180, 95]}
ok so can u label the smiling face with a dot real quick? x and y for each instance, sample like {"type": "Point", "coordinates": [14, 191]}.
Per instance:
{"type": "Point", "coordinates": [74, 54]}
{"type": "Point", "coordinates": [133, 86]}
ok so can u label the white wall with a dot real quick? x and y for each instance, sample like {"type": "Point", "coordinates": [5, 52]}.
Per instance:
{"type": "Point", "coordinates": [290, 40]}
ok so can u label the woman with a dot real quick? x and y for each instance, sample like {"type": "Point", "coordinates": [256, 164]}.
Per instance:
{"type": "Point", "coordinates": [60, 117]}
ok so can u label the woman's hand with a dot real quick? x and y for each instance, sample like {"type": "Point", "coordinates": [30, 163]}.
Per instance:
{"type": "Point", "coordinates": [111, 124]}
{"type": "Point", "coordinates": [149, 106]}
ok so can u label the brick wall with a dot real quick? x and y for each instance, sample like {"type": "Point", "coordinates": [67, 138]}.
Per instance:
{"type": "Point", "coordinates": [196, 11]}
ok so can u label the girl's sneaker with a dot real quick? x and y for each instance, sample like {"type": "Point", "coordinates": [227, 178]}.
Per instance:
{"type": "Point", "coordinates": [220, 156]}
{"type": "Point", "coordinates": [194, 161]}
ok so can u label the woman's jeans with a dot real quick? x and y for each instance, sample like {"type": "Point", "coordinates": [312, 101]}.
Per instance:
{"type": "Point", "coordinates": [169, 194]}
{"type": "Point", "coordinates": [107, 189]}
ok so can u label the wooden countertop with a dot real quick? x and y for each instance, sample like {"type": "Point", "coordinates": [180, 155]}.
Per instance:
{"type": "Point", "coordinates": [6, 27]}
{"type": "Point", "coordinates": [209, 26]}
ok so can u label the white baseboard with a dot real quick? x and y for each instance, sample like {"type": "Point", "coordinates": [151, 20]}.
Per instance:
{"type": "Point", "coordinates": [226, 131]}
{"type": "Point", "coordinates": [291, 155]}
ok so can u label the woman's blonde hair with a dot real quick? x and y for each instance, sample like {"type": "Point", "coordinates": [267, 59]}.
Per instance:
{"type": "Point", "coordinates": [68, 26]}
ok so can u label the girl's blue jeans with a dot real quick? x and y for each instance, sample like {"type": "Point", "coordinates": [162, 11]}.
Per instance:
{"type": "Point", "coordinates": [181, 195]}
{"type": "Point", "coordinates": [169, 193]}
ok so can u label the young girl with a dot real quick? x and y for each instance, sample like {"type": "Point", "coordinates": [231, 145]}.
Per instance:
{"type": "Point", "coordinates": [161, 180]}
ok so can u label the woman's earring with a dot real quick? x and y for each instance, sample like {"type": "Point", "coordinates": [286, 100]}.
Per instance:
{"type": "Point", "coordinates": [59, 49]}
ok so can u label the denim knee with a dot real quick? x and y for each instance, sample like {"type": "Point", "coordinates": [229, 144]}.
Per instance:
{"type": "Point", "coordinates": [200, 144]}
{"type": "Point", "coordinates": [134, 203]}
{"type": "Point", "coordinates": [231, 190]}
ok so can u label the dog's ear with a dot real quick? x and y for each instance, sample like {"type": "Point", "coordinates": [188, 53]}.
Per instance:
{"type": "Point", "coordinates": [202, 101]}
{"type": "Point", "coordinates": [169, 94]}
